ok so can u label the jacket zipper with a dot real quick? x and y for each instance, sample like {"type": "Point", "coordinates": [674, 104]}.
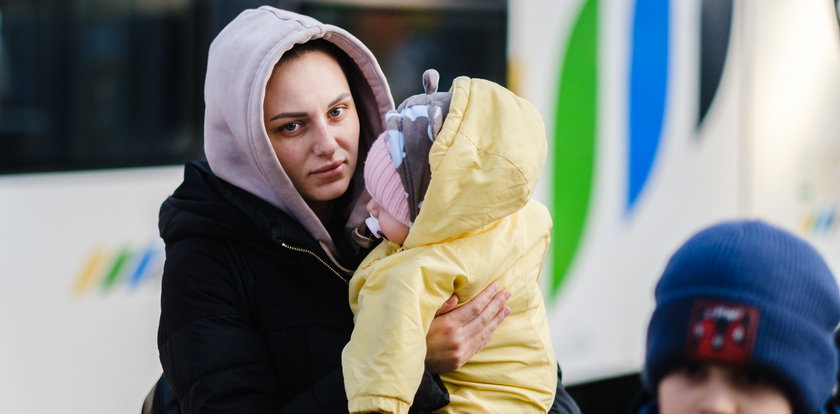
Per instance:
{"type": "Point", "coordinates": [313, 254]}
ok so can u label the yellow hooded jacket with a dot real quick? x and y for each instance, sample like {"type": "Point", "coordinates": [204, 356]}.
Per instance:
{"type": "Point", "coordinates": [478, 225]}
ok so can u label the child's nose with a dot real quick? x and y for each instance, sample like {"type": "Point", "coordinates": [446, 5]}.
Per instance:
{"type": "Point", "coordinates": [718, 397]}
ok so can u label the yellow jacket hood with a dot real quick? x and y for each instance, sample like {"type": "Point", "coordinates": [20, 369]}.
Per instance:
{"type": "Point", "coordinates": [478, 178]}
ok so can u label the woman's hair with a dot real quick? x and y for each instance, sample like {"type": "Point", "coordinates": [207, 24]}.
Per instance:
{"type": "Point", "coordinates": [315, 45]}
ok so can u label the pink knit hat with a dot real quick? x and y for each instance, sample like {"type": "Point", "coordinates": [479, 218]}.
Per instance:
{"type": "Point", "coordinates": [383, 181]}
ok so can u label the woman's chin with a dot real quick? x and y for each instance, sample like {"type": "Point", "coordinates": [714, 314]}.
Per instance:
{"type": "Point", "coordinates": [330, 191]}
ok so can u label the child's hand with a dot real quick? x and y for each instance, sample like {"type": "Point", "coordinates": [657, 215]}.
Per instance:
{"type": "Point", "coordinates": [456, 335]}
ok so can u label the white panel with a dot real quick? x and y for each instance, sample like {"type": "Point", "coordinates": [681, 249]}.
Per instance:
{"type": "Point", "coordinates": [62, 348]}
{"type": "Point", "coordinates": [794, 92]}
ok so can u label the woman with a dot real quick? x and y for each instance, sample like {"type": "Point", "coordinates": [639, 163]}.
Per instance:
{"type": "Point", "coordinates": [260, 239]}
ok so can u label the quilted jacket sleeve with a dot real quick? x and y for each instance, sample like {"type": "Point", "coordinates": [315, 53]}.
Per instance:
{"type": "Point", "coordinates": [394, 300]}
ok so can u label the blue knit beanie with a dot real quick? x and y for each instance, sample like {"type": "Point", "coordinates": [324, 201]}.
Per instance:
{"type": "Point", "coordinates": [748, 294]}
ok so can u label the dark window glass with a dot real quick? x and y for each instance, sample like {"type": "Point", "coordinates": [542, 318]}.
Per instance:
{"type": "Point", "coordinates": [470, 41]}
{"type": "Point", "coordinates": [97, 84]}
{"type": "Point", "coordinates": [87, 84]}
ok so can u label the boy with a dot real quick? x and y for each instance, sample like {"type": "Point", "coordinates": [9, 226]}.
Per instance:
{"type": "Point", "coordinates": [473, 176]}
{"type": "Point", "coordinates": [744, 321]}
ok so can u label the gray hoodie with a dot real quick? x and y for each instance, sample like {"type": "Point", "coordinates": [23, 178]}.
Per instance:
{"type": "Point", "coordinates": [240, 62]}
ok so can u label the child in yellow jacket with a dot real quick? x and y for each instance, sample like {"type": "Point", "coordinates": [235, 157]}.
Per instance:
{"type": "Point", "coordinates": [451, 182]}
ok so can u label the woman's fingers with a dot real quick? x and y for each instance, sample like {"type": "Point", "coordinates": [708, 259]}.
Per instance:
{"type": "Point", "coordinates": [476, 307]}
{"type": "Point", "coordinates": [448, 305]}
{"type": "Point", "coordinates": [456, 335]}
{"type": "Point", "coordinates": [481, 328]}
{"type": "Point", "coordinates": [492, 313]}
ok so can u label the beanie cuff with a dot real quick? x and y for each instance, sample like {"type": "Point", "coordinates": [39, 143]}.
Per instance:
{"type": "Point", "coordinates": [795, 354]}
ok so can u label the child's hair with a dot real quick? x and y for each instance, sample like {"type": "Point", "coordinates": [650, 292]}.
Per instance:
{"type": "Point", "coordinates": [397, 170]}
{"type": "Point", "coordinates": [750, 295]}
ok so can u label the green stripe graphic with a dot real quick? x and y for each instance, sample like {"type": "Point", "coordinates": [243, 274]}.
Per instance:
{"type": "Point", "coordinates": [116, 269]}
{"type": "Point", "coordinates": [574, 143]}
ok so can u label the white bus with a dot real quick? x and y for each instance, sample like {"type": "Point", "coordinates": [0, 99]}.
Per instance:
{"type": "Point", "coordinates": [662, 116]}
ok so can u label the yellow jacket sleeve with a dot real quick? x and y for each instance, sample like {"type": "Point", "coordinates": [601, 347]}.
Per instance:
{"type": "Point", "coordinates": [394, 298]}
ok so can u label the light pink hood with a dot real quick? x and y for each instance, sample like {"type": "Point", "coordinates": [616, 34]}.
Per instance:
{"type": "Point", "coordinates": [241, 60]}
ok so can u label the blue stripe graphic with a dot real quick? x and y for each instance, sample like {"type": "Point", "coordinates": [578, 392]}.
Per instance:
{"type": "Point", "coordinates": [648, 87]}
{"type": "Point", "coordinates": [140, 272]}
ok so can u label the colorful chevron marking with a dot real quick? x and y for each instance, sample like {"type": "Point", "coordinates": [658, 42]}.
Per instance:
{"type": "Point", "coordinates": [108, 269]}
{"type": "Point", "coordinates": [820, 222]}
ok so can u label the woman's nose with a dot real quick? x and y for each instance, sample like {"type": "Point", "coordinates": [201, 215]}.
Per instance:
{"type": "Point", "coordinates": [326, 143]}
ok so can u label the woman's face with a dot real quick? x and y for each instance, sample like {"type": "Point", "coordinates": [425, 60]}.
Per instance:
{"type": "Point", "coordinates": [717, 389]}
{"type": "Point", "coordinates": [313, 125]}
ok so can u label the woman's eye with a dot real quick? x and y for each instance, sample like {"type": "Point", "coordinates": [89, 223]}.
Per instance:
{"type": "Point", "coordinates": [335, 112]}
{"type": "Point", "coordinates": [290, 127]}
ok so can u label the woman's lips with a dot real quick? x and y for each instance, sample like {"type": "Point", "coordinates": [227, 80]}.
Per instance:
{"type": "Point", "coordinates": [330, 171]}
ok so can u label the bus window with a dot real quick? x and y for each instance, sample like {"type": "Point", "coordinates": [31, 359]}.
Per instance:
{"type": "Point", "coordinates": [91, 84]}
{"type": "Point", "coordinates": [455, 37]}
{"type": "Point", "coordinates": [97, 84]}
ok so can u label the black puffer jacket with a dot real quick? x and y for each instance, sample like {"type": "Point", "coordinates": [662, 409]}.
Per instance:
{"type": "Point", "coordinates": [253, 318]}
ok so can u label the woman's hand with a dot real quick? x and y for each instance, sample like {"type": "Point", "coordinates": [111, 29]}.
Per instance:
{"type": "Point", "coordinates": [456, 335]}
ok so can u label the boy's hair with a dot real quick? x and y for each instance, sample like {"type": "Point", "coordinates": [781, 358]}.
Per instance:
{"type": "Point", "coordinates": [397, 172]}
{"type": "Point", "coordinates": [750, 295]}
